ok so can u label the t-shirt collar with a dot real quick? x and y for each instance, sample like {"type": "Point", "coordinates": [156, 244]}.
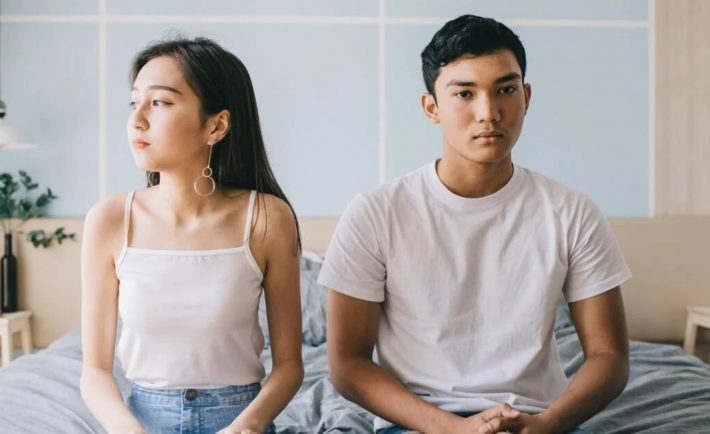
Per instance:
{"type": "Point", "coordinates": [466, 203]}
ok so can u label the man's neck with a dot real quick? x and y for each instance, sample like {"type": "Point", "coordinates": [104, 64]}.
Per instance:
{"type": "Point", "coordinates": [474, 180]}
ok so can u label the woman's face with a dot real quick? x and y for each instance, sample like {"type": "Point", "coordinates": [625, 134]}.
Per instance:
{"type": "Point", "coordinates": [165, 130]}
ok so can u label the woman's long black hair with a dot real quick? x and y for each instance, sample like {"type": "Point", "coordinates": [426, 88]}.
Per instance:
{"type": "Point", "coordinates": [221, 81]}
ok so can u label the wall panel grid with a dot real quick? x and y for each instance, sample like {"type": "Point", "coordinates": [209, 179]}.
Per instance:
{"type": "Point", "coordinates": [380, 131]}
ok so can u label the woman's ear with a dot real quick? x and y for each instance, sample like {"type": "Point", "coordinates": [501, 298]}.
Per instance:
{"type": "Point", "coordinates": [219, 126]}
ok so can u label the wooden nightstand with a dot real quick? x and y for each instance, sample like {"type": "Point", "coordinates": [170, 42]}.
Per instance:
{"type": "Point", "coordinates": [697, 317]}
{"type": "Point", "coordinates": [11, 323]}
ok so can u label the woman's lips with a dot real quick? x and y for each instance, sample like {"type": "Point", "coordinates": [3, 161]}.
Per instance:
{"type": "Point", "coordinates": [139, 144]}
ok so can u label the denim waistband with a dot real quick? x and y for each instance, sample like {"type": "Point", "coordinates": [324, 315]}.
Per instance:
{"type": "Point", "coordinates": [229, 395]}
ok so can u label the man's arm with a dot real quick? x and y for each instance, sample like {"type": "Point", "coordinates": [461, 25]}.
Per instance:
{"type": "Point", "coordinates": [601, 326]}
{"type": "Point", "coordinates": [352, 333]}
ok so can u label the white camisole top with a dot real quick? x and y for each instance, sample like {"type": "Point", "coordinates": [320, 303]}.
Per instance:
{"type": "Point", "coordinates": [189, 317]}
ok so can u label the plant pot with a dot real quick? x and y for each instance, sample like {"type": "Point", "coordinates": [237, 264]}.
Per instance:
{"type": "Point", "coordinates": [8, 278]}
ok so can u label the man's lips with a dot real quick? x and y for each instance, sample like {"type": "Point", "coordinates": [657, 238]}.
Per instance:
{"type": "Point", "coordinates": [488, 137]}
{"type": "Point", "coordinates": [488, 134]}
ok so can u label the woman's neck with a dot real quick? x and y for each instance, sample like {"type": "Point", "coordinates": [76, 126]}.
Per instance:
{"type": "Point", "coordinates": [176, 194]}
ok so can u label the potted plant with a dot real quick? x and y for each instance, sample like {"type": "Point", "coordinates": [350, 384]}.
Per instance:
{"type": "Point", "coordinates": [15, 212]}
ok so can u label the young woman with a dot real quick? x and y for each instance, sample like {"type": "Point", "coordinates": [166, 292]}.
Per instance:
{"type": "Point", "coordinates": [183, 262]}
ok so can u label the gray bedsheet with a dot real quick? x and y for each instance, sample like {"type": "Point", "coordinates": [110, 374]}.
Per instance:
{"type": "Point", "coordinates": [39, 393]}
{"type": "Point", "coordinates": [668, 392]}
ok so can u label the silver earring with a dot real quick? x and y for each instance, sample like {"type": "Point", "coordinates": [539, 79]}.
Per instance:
{"type": "Point", "coordinates": [150, 180]}
{"type": "Point", "coordinates": [206, 173]}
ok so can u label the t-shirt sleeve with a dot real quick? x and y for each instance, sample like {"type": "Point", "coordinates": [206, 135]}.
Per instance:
{"type": "Point", "coordinates": [596, 263]}
{"type": "Point", "coordinates": [354, 262]}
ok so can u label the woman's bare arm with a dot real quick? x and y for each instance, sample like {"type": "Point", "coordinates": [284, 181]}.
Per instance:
{"type": "Point", "coordinates": [103, 236]}
{"type": "Point", "coordinates": [277, 252]}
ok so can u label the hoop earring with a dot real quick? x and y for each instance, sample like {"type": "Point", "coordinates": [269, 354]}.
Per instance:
{"type": "Point", "coordinates": [206, 173]}
{"type": "Point", "coordinates": [150, 181]}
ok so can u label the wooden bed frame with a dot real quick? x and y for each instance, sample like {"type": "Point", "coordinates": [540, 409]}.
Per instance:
{"type": "Point", "coordinates": [669, 257]}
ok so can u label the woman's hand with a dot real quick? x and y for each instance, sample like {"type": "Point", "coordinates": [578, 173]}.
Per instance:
{"type": "Point", "coordinates": [129, 429]}
{"type": "Point", "coordinates": [240, 427]}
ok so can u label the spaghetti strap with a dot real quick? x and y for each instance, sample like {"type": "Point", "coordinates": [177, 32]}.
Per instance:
{"type": "Point", "coordinates": [127, 217]}
{"type": "Point", "coordinates": [250, 212]}
{"type": "Point", "coordinates": [127, 224]}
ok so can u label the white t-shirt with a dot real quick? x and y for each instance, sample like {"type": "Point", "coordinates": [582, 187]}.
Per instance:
{"type": "Point", "coordinates": [469, 287]}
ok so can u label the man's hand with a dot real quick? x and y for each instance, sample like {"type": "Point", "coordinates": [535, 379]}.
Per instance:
{"type": "Point", "coordinates": [489, 421]}
{"type": "Point", "coordinates": [528, 424]}
{"type": "Point", "coordinates": [232, 430]}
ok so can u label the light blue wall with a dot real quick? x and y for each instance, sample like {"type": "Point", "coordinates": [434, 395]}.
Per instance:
{"type": "Point", "coordinates": [317, 87]}
{"type": "Point", "coordinates": [311, 83]}
{"type": "Point", "coordinates": [50, 7]}
{"type": "Point", "coordinates": [246, 7]}
{"type": "Point", "coordinates": [523, 9]}
{"type": "Point", "coordinates": [50, 85]}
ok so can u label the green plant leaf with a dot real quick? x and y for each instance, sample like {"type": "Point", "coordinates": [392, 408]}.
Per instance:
{"type": "Point", "coordinates": [25, 207]}
{"type": "Point", "coordinates": [41, 238]}
{"type": "Point", "coordinates": [26, 181]}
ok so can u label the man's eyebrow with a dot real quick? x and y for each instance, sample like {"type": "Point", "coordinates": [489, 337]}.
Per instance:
{"type": "Point", "coordinates": [160, 87]}
{"type": "Point", "coordinates": [502, 79]}
{"type": "Point", "coordinates": [508, 77]}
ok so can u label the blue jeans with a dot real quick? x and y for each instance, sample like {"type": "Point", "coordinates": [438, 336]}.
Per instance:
{"type": "Point", "coordinates": [400, 430]}
{"type": "Point", "coordinates": [190, 411]}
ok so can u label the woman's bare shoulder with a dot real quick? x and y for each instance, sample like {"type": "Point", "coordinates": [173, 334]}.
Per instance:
{"type": "Point", "coordinates": [107, 215]}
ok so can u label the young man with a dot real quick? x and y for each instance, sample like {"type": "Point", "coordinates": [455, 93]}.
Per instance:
{"type": "Point", "coordinates": [454, 271]}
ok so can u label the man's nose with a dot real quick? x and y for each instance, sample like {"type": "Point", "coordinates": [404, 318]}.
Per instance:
{"type": "Point", "coordinates": [486, 109]}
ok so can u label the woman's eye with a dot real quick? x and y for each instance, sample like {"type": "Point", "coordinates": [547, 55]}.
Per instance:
{"type": "Point", "coordinates": [463, 94]}
{"type": "Point", "coordinates": [132, 104]}
{"type": "Point", "coordinates": [157, 102]}
{"type": "Point", "coordinates": [508, 90]}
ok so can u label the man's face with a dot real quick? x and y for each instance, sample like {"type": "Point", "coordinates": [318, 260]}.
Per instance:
{"type": "Point", "coordinates": [480, 103]}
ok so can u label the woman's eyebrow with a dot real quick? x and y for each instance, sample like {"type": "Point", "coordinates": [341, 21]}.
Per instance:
{"type": "Point", "coordinates": [160, 87]}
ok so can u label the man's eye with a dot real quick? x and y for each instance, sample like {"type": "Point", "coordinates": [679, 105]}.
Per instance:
{"type": "Point", "coordinates": [508, 90]}
{"type": "Point", "coordinates": [157, 102]}
{"type": "Point", "coordinates": [463, 94]}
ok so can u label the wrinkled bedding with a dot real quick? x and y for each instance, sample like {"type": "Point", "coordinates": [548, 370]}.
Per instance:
{"type": "Point", "coordinates": [668, 391]}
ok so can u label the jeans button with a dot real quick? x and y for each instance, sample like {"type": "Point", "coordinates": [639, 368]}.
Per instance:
{"type": "Point", "coordinates": [190, 394]}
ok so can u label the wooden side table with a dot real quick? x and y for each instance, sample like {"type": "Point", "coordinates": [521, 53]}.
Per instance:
{"type": "Point", "coordinates": [11, 323]}
{"type": "Point", "coordinates": [697, 317]}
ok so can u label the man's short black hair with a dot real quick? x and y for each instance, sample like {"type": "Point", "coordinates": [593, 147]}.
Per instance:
{"type": "Point", "coordinates": [468, 34]}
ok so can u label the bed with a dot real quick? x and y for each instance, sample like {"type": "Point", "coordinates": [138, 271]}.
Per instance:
{"type": "Point", "coordinates": [668, 391]}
